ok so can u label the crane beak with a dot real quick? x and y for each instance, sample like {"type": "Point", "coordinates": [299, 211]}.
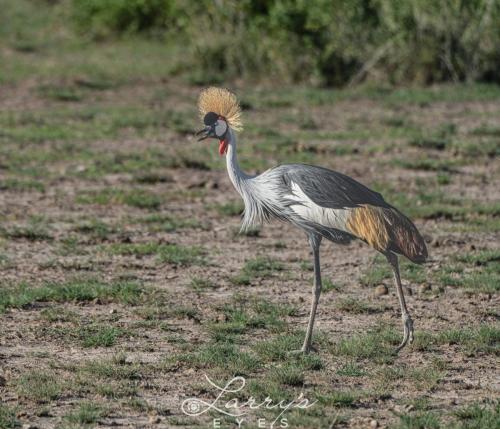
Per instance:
{"type": "Point", "coordinates": [204, 133]}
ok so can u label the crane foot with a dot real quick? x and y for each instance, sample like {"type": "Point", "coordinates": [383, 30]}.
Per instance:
{"type": "Point", "coordinates": [297, 352]}
{"type": "Point", "coordinates": [407, 331]}
{"type": "Point", "coordinates": [302, 351]}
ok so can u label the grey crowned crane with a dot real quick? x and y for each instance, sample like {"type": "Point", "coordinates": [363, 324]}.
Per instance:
{"type": "Point", "coordinates": [321, 202]}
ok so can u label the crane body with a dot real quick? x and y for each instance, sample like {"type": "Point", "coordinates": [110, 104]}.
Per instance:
{"type": "Point", "coordinates": [321, 202]}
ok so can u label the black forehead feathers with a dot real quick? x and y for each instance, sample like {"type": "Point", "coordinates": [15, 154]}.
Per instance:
{"type": "Point", "coordinates": [210, 118]}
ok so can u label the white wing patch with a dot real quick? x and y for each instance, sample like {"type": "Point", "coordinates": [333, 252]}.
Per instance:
{"type": "Point", "coordinates": [312, 212]}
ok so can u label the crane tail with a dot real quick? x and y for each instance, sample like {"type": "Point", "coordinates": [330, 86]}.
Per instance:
{"type": "Point", "coordinates": [387, 229]}
{"type": "Point", "coordinates": [405, 237]}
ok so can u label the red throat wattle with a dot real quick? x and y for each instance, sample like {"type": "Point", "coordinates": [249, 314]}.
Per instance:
{"type": "Point", "coordinates": [222, 147]}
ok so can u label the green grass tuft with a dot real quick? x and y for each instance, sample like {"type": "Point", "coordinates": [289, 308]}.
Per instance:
{"type": "Point", "coordinates": [22, 185]}
{"type": "Point", "coordinates": [278, 348]}
{"type": "Point", "coordinates": [39, 386]}
{"type": "Point", "coordinates": [479, 416]}
{"type": "Point", "coordinates": [476, 272]}
{"type": "Point", "coordinates": [168, 223]}
{"type": "Point", "coordinates": [95, 229]}
{"type": "Point", "coordinates": [135, 198]}
{"type": "Point", "coordinates": [225, 356]}
{"type": "Point", "coordinates": [429, 143]}
{"type": "Point", "coordinates": [116, 368]}
{"type": "Point", "coordinates": [355, 306]}
{"type": "Point", "coordinates": [168, 253]}
{"type": "Point", "coordinates": [248, 314]}
{"type": "Point", "coordinates": [8, 418]}
{"type": "Point", "coordinates": [288, 374]}
{"type": "Point", "coordinates": [482, 339]}
{"type": "Point", "coordinates": [201, 283]}
{"type": "Point", "coordinates": [88, 413]}
{"type": "Point", "coordinates": [422, 378]}
{"type": "Point", "coordinates": [99, 335]}
{"type": "Point", "coordinates": [35, 230]}
{"type": "Point", "coordinates": [233, 208]}
{"type": "Point", "coordinates": [23, 295]}
{"type": "Point", "coordinates": [420, 420]}
{"type": "Point", "coordinates": [351, 369]}
{"type": "Point", "coordinates": [377, 344]}
{"type": "Point", "coordinates": [329, 285]}
{"type": "Point", "coordinates": [60, 93]}
{"type": "Point", "coordinates": [426, 164]}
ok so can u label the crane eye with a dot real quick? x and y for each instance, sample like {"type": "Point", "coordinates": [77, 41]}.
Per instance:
{"type": "Point", "coordinates": [220, 128]}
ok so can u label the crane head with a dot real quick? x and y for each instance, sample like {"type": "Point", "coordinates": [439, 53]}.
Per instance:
{"type": "Point", "coordinates": [219, 110]}
{"type": "Point", "coordinates": [216, 127]}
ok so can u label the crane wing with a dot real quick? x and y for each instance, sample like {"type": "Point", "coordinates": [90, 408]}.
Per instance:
{"type": "Point", "coordinates": [333, 203]}
{"type": "Point", "coordinates": [330, 189]}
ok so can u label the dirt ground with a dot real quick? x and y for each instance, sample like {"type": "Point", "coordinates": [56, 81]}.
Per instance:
{"type": "Point", "coordinates": [112, 191]}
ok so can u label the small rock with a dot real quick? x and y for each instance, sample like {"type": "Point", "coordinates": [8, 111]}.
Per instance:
{"type": "Point", "coordinates": [197, 184]}
{"type": "Point", "coordinates": [154, 419]}
{"type": "Point", "coordinates": [425, 287]}
{"type": "Point", "coordinates": [112, 311]}
{"type": "Point", "coordinates": [374, 424]}
{"type": "Point", "coordinates": [211, 185]}
{"type": "Point", "coordinates": [381, 290]}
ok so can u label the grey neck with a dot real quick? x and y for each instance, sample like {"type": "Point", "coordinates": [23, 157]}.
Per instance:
{"type": "Point", "coordinates": [237, 176]}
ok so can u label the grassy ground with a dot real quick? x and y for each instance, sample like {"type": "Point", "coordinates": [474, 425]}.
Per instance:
{"type": "Point", "coordinates": [124, 280]}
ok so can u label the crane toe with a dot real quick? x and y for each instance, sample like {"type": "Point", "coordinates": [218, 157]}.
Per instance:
{"type": "Point", "coordinates": [303, 351]}
{"type": "Point", "coordinates": [407, 332]}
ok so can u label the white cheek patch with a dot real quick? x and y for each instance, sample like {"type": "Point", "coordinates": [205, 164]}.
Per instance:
{"type": "Point", "coordinates": [312, 212]}
{"type": "Point", "coordinates": [220, 128]}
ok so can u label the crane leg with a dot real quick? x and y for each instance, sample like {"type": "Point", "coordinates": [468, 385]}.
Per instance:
{"type": "Point", "coordinates": [314, 241]}
{"type": "Point", "coordinates": [407, 321]}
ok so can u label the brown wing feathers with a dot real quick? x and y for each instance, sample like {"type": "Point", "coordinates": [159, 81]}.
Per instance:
{"type": "Point", "coordinates": [367, 222]}
{"type": "Point", "coordinates": [386, 229]}
{"type": "Point", "coordinates": [405, 238]}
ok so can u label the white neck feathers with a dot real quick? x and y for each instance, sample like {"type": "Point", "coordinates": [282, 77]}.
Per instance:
{"type": "Point", "coordinates": [237, 176]}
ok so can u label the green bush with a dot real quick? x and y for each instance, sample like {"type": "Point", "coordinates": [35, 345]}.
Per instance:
{"type": "Point", "coordinates": [323, 42]}
{"type": "Point", "coordinates": [103, 18]}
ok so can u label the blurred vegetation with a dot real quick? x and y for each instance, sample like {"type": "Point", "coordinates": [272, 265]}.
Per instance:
{"type": "Point", "coordinates": [324, 41]}
{"type": "Point", "coordinates": [320, 42]}
{"type": "Point", "coordinates": [105, 18]}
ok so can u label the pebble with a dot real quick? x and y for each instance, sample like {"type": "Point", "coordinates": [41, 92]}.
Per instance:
{"type": "Point", "coordinates": [381, 290]}
{"type": "Point", "coordinates": [211, 185]}
{"type": "Point", "coordinates": [197, 184]}
{"type": "Point", "coordinates": [425, 288]}
{"type": "Point", "coordinates": [374, 424]}
{"type": "Point", "coordinates": [154, 419]}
